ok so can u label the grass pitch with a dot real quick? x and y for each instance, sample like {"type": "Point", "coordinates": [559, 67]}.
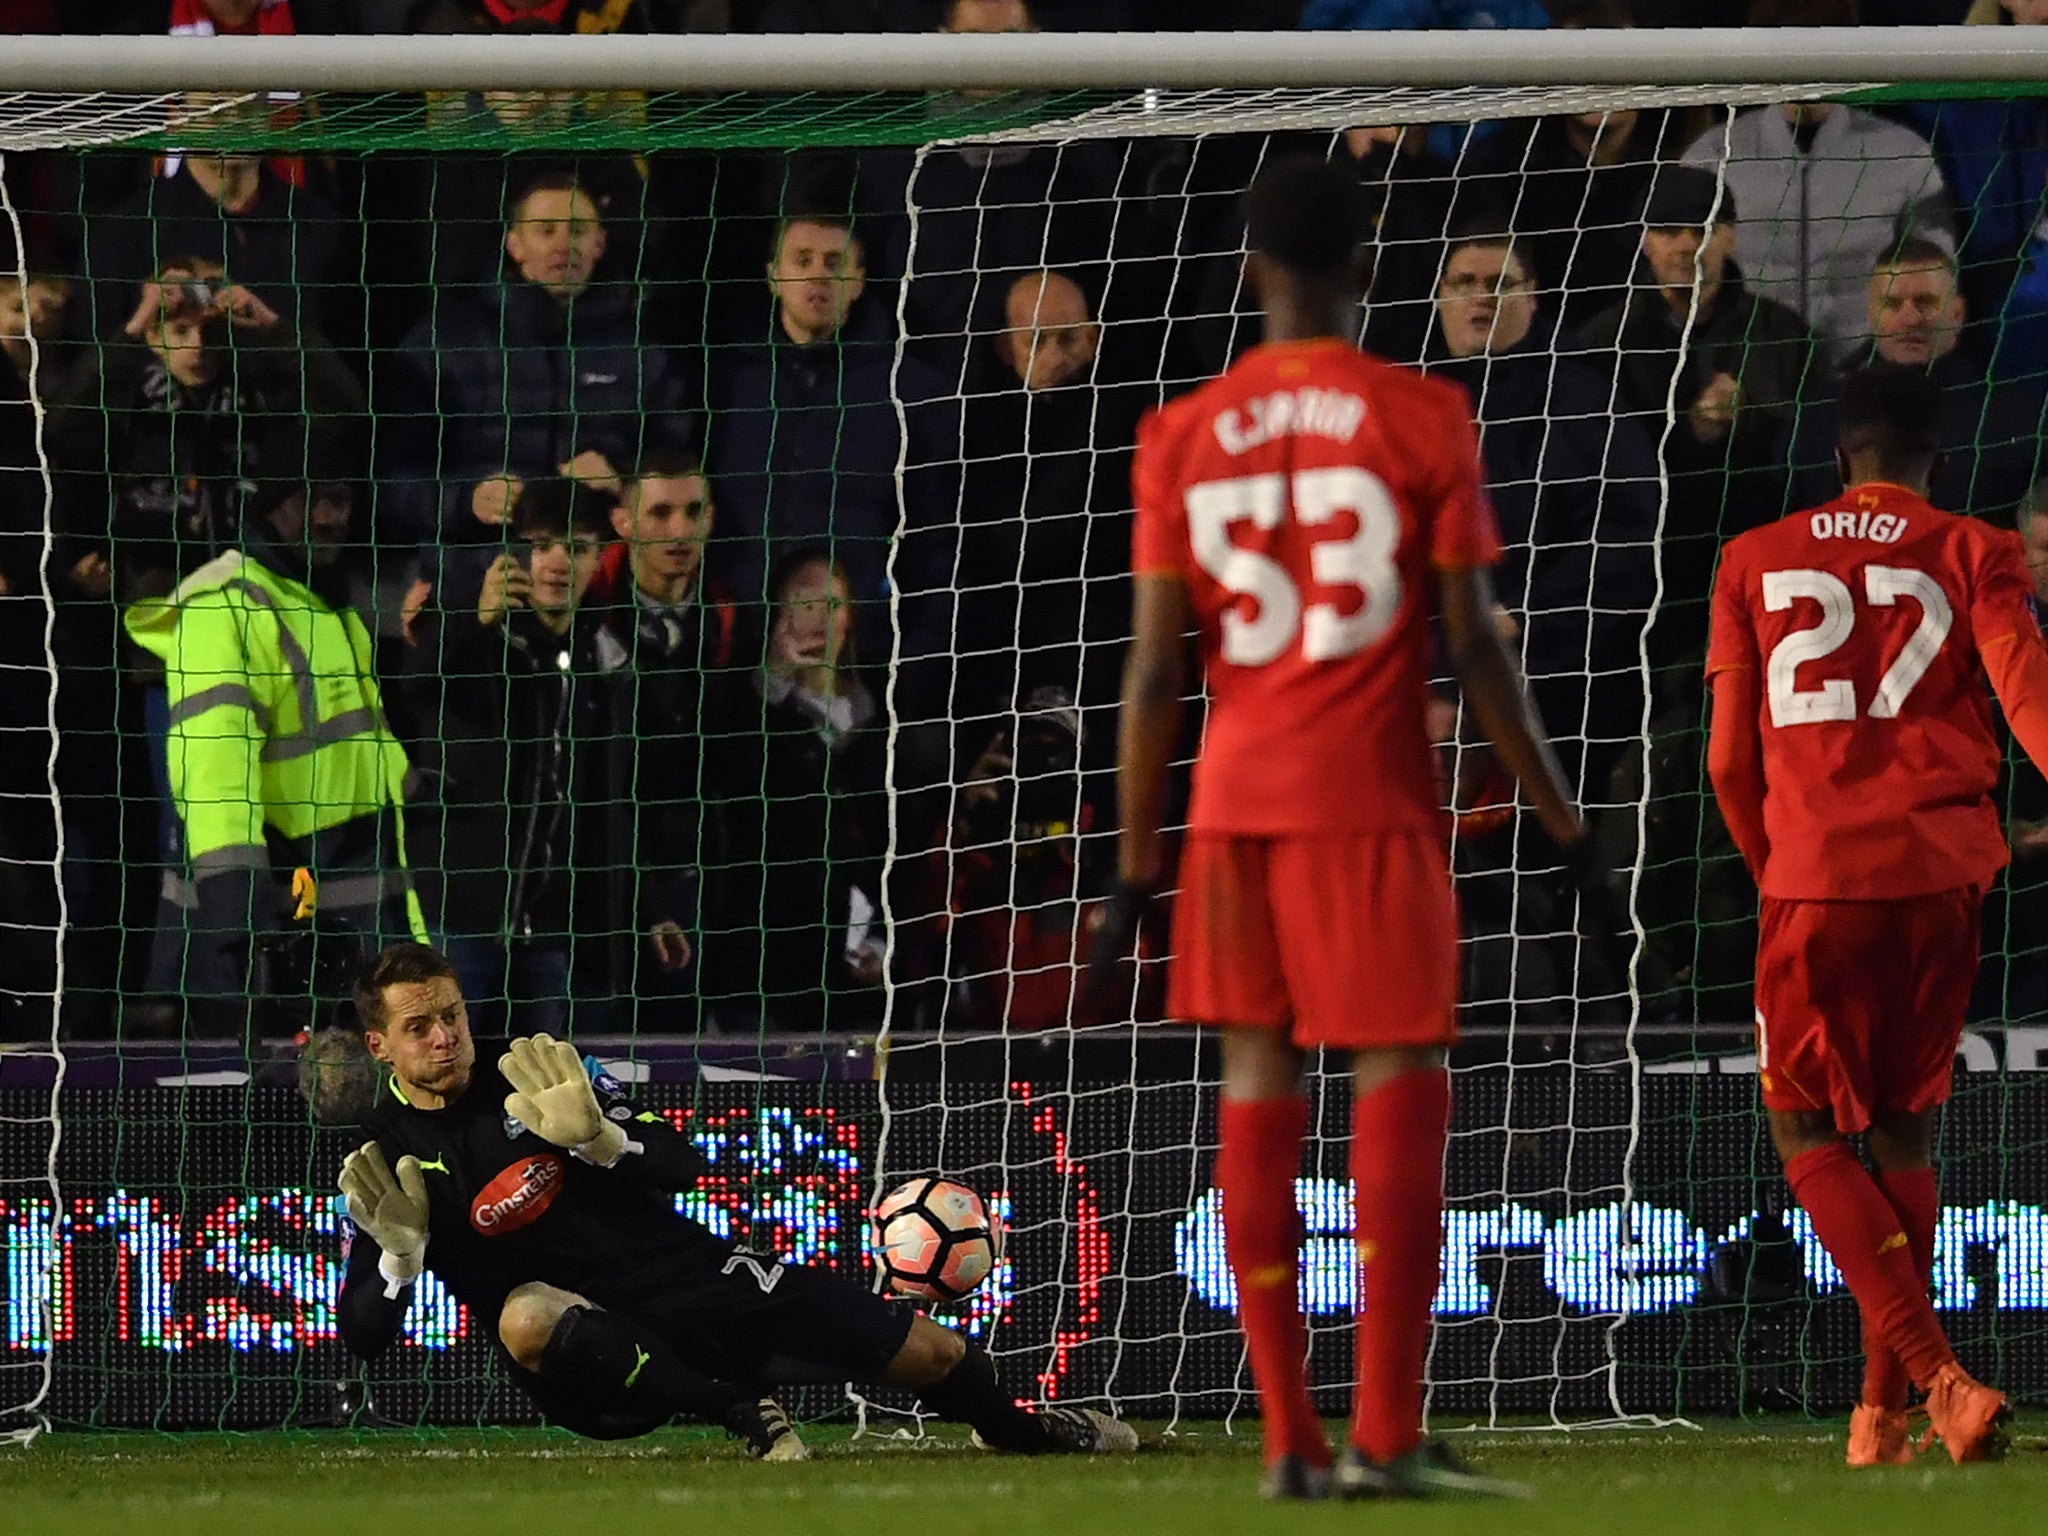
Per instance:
{"type": "Point", "coordinates": [516, 1483]}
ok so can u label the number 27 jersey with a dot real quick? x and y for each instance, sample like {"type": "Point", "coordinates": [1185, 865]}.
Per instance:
{"type": "Point", "coordinates": [1305, 499]}
{"type": "Point", "coordinates": [1865, 620]}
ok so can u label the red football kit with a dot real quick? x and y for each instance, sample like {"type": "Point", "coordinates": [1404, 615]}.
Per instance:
{"type": "Point", "coordinates": [1305, 498]}
{"type": "Point", "coordinates": [1860, 791]}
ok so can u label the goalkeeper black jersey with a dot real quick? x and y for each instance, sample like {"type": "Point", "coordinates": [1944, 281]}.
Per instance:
{"type": "Point", "coordinates": [506, 1208]}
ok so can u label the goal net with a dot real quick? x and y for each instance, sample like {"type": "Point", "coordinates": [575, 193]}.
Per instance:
{"type": "Point", "coordinates": [785, 784]}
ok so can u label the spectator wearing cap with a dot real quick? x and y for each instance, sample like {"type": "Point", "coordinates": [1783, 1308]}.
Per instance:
{"type": "Point", "coordinates": [548, 877]}
{"type": "Point", "coordinates": [1575, 185]}
{"type": "Point", "coordinates": [1826, 190]}
{"type": "Point", "coordinates": [1575, 491]}
{"type": "Point", "coordinates": [1991, 432]}
{"type": "Point", "coordinates": [1726, 364]}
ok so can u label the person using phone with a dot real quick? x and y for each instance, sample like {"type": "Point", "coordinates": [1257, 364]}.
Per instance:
{"type": "Point", "coordinates": [546, 879]}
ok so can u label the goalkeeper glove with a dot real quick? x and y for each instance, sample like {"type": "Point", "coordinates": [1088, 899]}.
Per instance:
{"type": "Point", "coordinates": [552, 1097]}
{"type": "Point", "coordinates": [1116, 936]}
{"type": "Point", "coordinates": [391, 1208]}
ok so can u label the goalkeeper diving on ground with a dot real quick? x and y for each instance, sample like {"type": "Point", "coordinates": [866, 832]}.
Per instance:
{"type": "Point", "coordinates": [543, 1198]}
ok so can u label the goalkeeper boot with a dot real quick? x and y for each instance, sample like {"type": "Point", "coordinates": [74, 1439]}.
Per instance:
{"type": "Point", "coordinates": [1974, 1421]}
{"type": "Point", "coordinates": [1087, 1432]}
{"type": "Point", "coordinates": [1293, 1478]}
{"type": "Point", "coordinates": [764, 1429]}
{"type": "Point", "coordinates": [1431, 1471]}
{"type": "Point", "coordinates": [1879, 1437]}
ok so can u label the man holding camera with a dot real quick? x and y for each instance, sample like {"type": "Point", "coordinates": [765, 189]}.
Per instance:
{"type": "Point", "coordinates": [153, 449]}
{"type": "Point", "coordinates": [528, 718]}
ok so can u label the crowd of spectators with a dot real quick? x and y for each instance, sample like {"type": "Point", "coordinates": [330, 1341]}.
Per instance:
{"type": "Point", "coordinates": [716, 523]}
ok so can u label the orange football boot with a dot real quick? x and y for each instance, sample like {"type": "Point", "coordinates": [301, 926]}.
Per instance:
{"type": "Point", "coordinates": [1878, 1437]}
{"type": "Point", "coordinates": [1971, 1419]}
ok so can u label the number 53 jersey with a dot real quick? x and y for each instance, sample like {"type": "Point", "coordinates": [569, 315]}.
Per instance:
{"type": "Point", "coordinates": [1305, 499]}
{"type": "Point", "coordinates": [1868, 620]}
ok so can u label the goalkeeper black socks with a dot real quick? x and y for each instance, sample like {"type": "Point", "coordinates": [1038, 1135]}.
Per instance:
{"type": "Point", "coordinates": [971, 1394]}
{"type": "Point", "coordinates": [611, 1352]}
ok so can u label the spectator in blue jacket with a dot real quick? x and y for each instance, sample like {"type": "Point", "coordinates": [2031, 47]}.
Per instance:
{"type": "Point", "coordinates": [1994, 154]}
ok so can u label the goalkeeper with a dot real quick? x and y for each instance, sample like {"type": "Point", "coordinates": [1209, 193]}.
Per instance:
{"type": "Point", "coordinates": [544, 1201]}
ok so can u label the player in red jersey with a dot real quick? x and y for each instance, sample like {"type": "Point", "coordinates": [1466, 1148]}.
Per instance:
{"type": "Point", "coordinates": [1853, 757]}
{"type": "Point", "coordinates": [1305, 514]}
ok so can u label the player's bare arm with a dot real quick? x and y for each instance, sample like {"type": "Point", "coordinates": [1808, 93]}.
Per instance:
{"type": "Point", "coordinates": [1155, 679]}
{"type": "Point", "coordinates": [1493, 687]}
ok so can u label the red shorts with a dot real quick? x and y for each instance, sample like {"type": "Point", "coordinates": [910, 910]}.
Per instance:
{"type": "Point", "coordinates": [1344, 939]}
{"type": "Point", "coordinates": [1859, 1004]}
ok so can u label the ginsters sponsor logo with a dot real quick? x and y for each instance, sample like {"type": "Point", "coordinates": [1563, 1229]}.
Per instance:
{"type": "Point", "coordinates": [517, 1196]}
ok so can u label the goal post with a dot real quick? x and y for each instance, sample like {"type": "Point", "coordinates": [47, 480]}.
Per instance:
{"type": "Point", "coordinates": [1049, 236]}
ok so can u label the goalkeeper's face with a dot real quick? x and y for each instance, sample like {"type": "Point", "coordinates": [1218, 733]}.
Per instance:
{"type": "Point", "coordinates": [424, 1039]}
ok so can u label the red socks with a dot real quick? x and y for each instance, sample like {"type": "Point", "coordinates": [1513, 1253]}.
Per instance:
{"type": "Point", "coordinates": [1865, 1236]}
{"type": "Point", "coordinates": [1913, 1199]}
{"type": "Point", "coordinates": [1397, 1162]}
{"type": "Point", "coordinates": [1255, 1169]}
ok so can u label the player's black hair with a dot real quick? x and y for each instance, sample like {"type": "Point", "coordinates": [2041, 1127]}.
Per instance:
{"type": "Point", "coordinates": [557, 506]}
{"type": "Point", "coordinates": [1306, 214]}
{"type": "Point", "coordinates": [400, 965]}
{"type": "Point", "coordinates": [1891, 415]}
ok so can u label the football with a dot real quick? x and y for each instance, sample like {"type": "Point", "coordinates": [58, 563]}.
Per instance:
{"type": "Point", "coordinates": [936, 1240]}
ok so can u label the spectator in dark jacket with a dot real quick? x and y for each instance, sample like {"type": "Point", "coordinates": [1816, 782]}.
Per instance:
{"type": "Point", "coordinates": [1410, 191]}
{"type": "Point", "coordinates": [441, 218]}
{"type": "Point", "coordinates": [797, 912]}
{"type": "Point", "coordinates": [1991, 432]}
{"type": "Point", "coordinates": [547, 370]}
{"type": "Point", "coordinates": [1728, 364]}
{"type": "Point", "coordinates": [681, 637]}
{"type": "Point", "coordinates": [548, 878]}
{"type": "Point", "coordinates": [984, 215]}
{"type": "Point", "coordinates": [1045, 532]}
{"type": "Point", "coordinates": [805, 442]}
{"type": "Point", "coordinates": [1575, 492]}
{"type": "Point", "coordinates": [283, 243]}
